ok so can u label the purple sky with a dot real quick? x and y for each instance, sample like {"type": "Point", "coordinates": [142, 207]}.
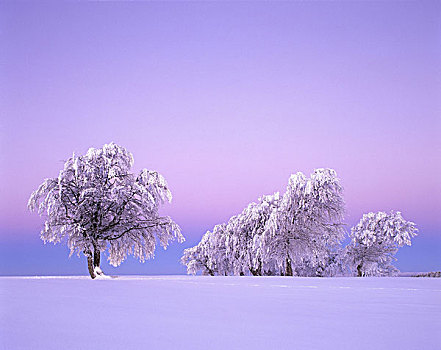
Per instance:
{"type": "Point", "coordinates": [226, 100]}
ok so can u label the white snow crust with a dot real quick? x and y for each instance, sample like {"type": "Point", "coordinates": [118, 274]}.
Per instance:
{"type": "Point", "coordinates": [203, 312]}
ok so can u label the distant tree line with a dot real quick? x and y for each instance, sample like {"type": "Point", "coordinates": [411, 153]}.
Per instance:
{"type": "Point", "coordinates": [300, 233]}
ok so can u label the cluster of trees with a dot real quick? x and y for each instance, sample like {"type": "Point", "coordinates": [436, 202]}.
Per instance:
{"type": "Point", "coordinates": [98, 204]}
{"type": "Point", "coordinates": [300, 234]}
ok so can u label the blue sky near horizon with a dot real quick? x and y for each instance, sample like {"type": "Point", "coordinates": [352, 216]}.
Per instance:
{"type": "Point", "coordinates": [33, 257]}
{"type": "Point", "coordinates": [226, 100]}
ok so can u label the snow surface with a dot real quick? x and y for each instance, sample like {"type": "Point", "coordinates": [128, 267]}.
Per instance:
{"type": "Point", "coordinates": [198, 312]}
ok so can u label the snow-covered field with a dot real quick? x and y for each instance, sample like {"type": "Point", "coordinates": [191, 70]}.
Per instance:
{"type": "Point", "coordinates": [183, 312]}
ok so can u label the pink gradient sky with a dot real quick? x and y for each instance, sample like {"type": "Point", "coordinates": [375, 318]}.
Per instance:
{"type": "Point", "coordinates": [226, 100]}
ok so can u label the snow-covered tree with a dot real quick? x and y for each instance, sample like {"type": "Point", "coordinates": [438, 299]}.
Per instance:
{"type": "Point", "coordinates": [246, 229]}
{"type": "Point", "coordinates": [307, 225]}
{"type": "Point", "coordinates": [98, 204]}
{"type": "Point", "coordinates": [198, 258]}
{"type": "Point", "coordinates": [209, 256]}
{"type": "Point", "coordinates": [374, 242]}
{"type": "Point", "coordinates": [232, 248]}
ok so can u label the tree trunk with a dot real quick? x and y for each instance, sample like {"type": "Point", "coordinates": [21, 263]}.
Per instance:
{"type": "Point", "coordinates": [359, 272]}
{"type": "Point", "coordinates": [258, 271]}
{"type": "Point", "coordinates": [93, 262]}
{"type": "Point", "coordinates": [90, 266]}
{"type": "Point", "coordinates": [96, 257]}
{"type": "Point", "coordinates": [96, 261]}
{"type": "Point", "coordinates": [209, 271]}
{"type": "Point", "coordinates": [288, 267]}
